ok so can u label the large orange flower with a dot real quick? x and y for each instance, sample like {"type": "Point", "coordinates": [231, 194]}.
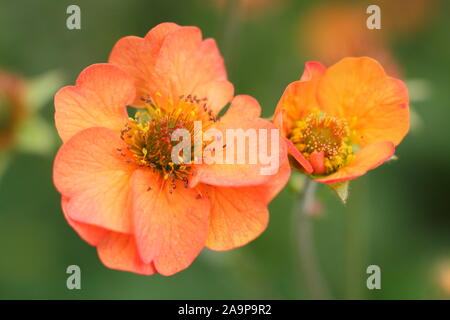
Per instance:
{"type": "Point", "coordinates": [344, 120]}
{"type": "Point", "coordinates": [120, 189]}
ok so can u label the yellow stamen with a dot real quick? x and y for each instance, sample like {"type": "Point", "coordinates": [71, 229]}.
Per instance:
{"type": "Point", "coordinates": [148, 135]}
{"type": "Point", "coordinates": [319, 132]}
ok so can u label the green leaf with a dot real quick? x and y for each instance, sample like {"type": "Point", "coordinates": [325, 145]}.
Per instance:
{"type": "Point", "coordinates": [419, 89]}
{"type": "Point", "coordinates": [341, 190]}
{"type": "Point", "coordinates": [36, 136]}
{"type": "Point", "coordinates": [41, 89]}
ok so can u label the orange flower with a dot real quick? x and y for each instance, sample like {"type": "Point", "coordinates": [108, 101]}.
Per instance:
{"type": "Point", "coordinates": [334, 30]}
{"type": "Point", "coordinates": [406, 19]}
{"type": "Point", "coordinates": [344, 120]}
{"type": "Point", "coordinates": [337, 30]}
{"type": "Point", "coordinates": [12, 107]}
{"type": "Point", "coordinates": [121, 190]}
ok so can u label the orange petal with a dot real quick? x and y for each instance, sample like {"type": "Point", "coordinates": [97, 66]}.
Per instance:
{"type": "Point", "coordinates": [90, 234]}
{"type": "Point", "coordinates": [313, 70]}
{"type": "Point", "coordinates": [137, 56]}
{"type": "Point", "coordinates": [218, 93]}
{"type": "Point", "coordinates": [187, 65]}
{"type": "Point", "coordinates": [269, 190]}
{"type": "Point", "coordinates": [98, 99]}
{"type": "Point", "coordinates": [242, 106]}
{"type": "Point", "coordinates": [298, 156]}
{"type": "Point", "coordinates": [170, 228]}
{"type": "Point", "coordinates": [90, 171]}
{"type": "Point", "coordinates": [300, 96]}
{"type": "Point", "coordinates": [366, 159]}
{"type": "Point", "coordinates": [239, 215]}
{"type": "Point", "coordinates": [278, 119]}
{"type": "Point", "coordinates": [359, 90]}
{"type": "Point", "coordinates": [157, 34]}
{"type": "Point", "coordinates": [317, 162]}
{"type": "Point", "coordinates": [251, 172]}
{"type": "Point", "coordinates": [174, 61]}
{"type": "Point", "coordinates": [118, 251]}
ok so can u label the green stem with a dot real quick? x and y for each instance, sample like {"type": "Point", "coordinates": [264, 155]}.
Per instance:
{"type": "Point", "coordinates": [351, 254]}
{"type": "Point", "coordinates": [304, 229]}
{"type": "Point", "coordinates": [355, 237]}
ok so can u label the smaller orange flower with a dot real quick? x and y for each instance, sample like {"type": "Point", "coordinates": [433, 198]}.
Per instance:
{"type": "Point", "coordinates": [409, 18]}
{"type": "Point", "coordinates": [334, 31]}
{"type": "Point", "coordinates": [12, 107]}
{"type": "Point", "coordinates": [344, 120]}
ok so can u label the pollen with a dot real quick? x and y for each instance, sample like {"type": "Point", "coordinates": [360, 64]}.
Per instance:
{"type": "Point", "coordinates": [319, 132]}
{"type": "Point", "coordinates": [149, 134]}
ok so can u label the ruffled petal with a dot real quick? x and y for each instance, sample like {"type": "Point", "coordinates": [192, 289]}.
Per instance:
{"type": "Point", "coordinates": [157, 34]}
{"type": "Point", "coordinates": [89, 233]}
{"type": "Point", "coordinates": [366, 159]}
{"type": "Point", "coordinates": [218, 93]}
{"type": "Point", "coordinates": [313, 71]}
{"type": "Point", "coordinates": [239, 215]}
{"type": "Point", "coordinates": [171, 224]}
{"type": "Point", "coordinates": [298, 157]}
{"type": "Point", "coordinates": [95, 177]}
{"type": "Point", "coordinates": [359, 90]}
{"type": "Point", "coordinates": [242, 107]}
{"type": "Point", "coordinates": [173, 61]}
{"type": "Point", "coordinates": [245, 167]}
{"type": "Point", "coordinates": [118, 251]}
{"type": "Point", "coordinates": [137, 56]}
{"type": "Point", "coordinates": [189, 66]}
{"type": "Point", "coordinates": [299, 98]}
{"type": "Point", "coordinates": [98, 99]}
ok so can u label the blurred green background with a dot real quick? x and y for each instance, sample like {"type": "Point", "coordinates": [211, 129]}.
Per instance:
{"type": "Point", "coordinates": [397, 217]}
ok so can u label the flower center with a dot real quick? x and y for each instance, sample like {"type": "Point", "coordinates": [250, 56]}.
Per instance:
{"type": "Point", "coordinates": [149, 134]}
{"type": "Point", "coordinates": [327, 136]}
